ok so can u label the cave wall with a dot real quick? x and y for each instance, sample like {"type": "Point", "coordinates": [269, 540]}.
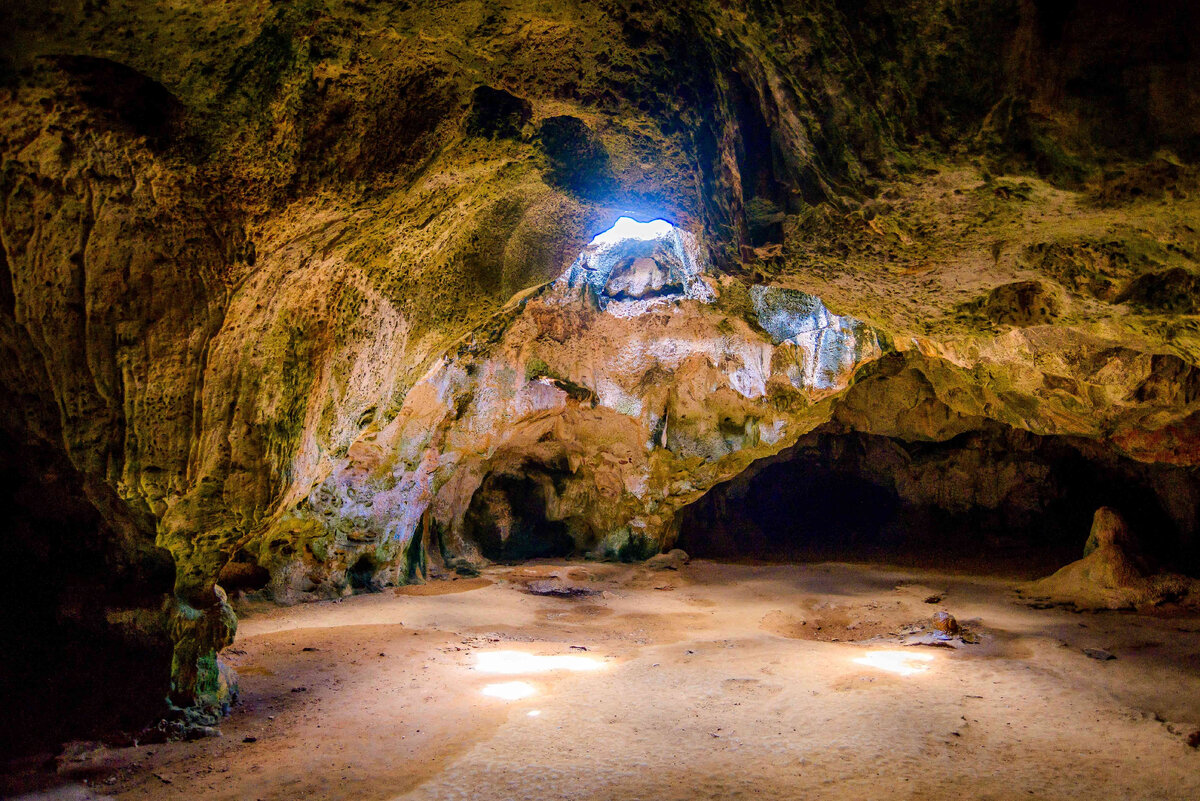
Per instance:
{"type": "Point", "coordinates": [118, 268]}
{"type": "Point", "coordinates": [1108, 74]}
{"type": "Point", "coordinates": [271, 272]}
{"type": "Point", "coordinates": [620, 414]}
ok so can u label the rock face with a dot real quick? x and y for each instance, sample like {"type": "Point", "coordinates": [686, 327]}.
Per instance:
{"type": "Point", "coordinates": [581, 427]}
{"type": "Point", "coordinates": [300, 297]}
{"type": "Point", "coordinates": [1109, 530]}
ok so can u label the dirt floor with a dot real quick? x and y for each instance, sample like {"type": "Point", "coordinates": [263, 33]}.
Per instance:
{"type": "Point", "coordinates": [715, 681]}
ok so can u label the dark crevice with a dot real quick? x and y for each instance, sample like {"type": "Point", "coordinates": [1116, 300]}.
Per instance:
{"type": "Point", "coordinates": [243, 574]}
{"type": "Point", "coordinates": [764, 196]}
{"type": "Point", "coordinates": [1053, 16]}
{"type": "Point", "coordinates": [8, 300]}
{"type": "Point", "coordinates": [126, 97]}
{"type": "Point", "coordinates": [361, 574]}
{"type": "Point", "coordinates": [90, 654]}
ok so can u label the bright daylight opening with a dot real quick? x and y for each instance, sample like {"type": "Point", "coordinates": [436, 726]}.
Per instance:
{"type": "Point", "coordinates": [635, 266]}
{"type": "Point", "coordinates": [512, 663]}
{"type": "Point", "coordinates": [902, 662]}
{"type": "Point", "coordinates": [626, 228]}
{"type": "Point", "coordinates": [509, 690]}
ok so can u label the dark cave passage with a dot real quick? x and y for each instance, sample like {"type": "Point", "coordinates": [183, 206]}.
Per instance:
{"type": "Point", "coordinates": [361, 574]}
{"type": "Point", "coordinates": [87, 652]}
{"type": "Point", "coordinates": [996, 499]}
{"type": "Point", "coordinates": [508, 518]}
{"type": "Point", "coordinates": [243, 574]}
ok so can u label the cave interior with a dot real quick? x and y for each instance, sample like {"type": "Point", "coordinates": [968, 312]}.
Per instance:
{"type": "Point", "coordinates": [599, 400]}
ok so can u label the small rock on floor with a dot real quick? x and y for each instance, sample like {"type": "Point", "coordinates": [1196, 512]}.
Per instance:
{"type": "Point", "coordinates": [945, 623]}
{"type": "Point", "coordinates": [559, 588]}
{"type": "Point", "coordinates": [671, 560]}
{"type": "Point", "coordinates": [1099, 653]}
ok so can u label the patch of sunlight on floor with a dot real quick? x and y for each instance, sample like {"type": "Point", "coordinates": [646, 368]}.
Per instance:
{"type": "Point", "coordinates": [904, 663]}
{"type": "Point", "coordinates": [512, 663]}
{"type": "Point", "coordinates": [509, 690]}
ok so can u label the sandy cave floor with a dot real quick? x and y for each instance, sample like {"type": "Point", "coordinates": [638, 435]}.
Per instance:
{"type": "Point", "coordinates": [717, 681]}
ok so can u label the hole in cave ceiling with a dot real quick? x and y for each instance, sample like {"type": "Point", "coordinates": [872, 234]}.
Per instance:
{"type": "Point", "coordinates": [635, 266]}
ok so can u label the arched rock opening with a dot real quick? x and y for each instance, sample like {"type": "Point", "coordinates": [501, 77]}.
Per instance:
{"type": "Point", "coordinates": [243, 574]}
{"type": "Point", "coordinates": [510, 516]}
{"type": "Point", "coordinates": [997, 499]}
{"type": "Point", "coordinates": [361, 574]}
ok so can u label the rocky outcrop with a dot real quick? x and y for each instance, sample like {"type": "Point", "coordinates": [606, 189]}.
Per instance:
{"type": "Point", "coordinates": [1113, 574]}
{"type": "Point", "coordinates": [580, 426]}
{"type": "Point", "coordinates": [118, 262]}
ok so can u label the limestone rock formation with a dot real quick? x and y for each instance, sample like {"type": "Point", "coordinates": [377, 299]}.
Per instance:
{"type": "Point", "coordinates": [575, 430]}
{"type": "Point", "coordinates": [1109, 530]}
{"type": "Point", "coordinates": [1113, 574]}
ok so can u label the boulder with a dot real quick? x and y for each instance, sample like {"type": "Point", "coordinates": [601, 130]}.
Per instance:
{"type": "Point", "coordinates": [671, 560]}
{"type": "Point", "coordinates": [945, 622]}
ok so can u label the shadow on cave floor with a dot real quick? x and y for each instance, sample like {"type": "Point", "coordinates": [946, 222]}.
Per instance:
{"type": "Point", "coordinates": [996, 502]}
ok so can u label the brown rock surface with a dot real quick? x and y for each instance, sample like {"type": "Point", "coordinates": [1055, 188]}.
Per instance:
{"type": "Point", "coordinates": [944, 622]}
{"type": "Point", "coordinates": [1113, 575]}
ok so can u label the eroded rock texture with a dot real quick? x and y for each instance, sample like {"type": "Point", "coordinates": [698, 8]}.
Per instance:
{"type": "Point", "coordinates": [292, 295]}
{"type": "Point", "coordinates": [578, 424]}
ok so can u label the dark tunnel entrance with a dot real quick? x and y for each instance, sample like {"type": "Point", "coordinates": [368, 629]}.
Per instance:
{"type": "Point", "coordinates": [509, 519]}
{"type": "Point", "coordinates": [998, 500]}
{"type": "Point", "coordinates": [361, 574]}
